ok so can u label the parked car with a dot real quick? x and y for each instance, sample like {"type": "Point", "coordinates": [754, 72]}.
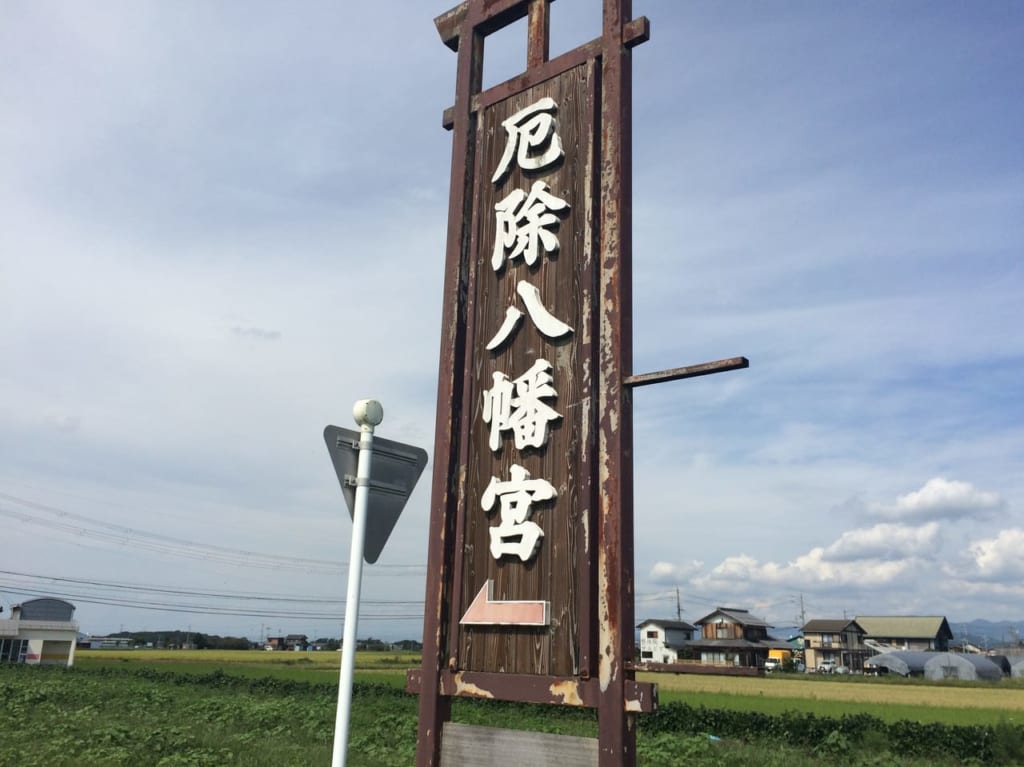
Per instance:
{"type": "Point", "coordinates": [772, 664]}
{"type": "Point", "coordinates": [827, 667]}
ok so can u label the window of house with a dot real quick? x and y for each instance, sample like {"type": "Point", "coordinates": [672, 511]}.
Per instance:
{"type": "Point", "coordinates": [13, 650]}
{"type": "Point", "coordinates": [646, 654]}
{"type": "Point", "coordinates": [652, 634]}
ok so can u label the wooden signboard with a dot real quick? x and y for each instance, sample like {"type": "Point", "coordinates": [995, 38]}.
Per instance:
{"type": "Point", "coordinates": [530, 563]}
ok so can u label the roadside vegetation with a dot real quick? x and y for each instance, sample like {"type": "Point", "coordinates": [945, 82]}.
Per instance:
{"type": "Point", "coordinates": [268, 710]}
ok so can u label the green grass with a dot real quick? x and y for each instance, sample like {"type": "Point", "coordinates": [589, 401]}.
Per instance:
{"type": "Point", "coordinates": [151, 714]}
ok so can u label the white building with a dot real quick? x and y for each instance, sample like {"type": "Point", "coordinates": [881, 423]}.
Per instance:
{"type": "Point", "coordinates": [39, 632]}
{"type": "Point", "coordinates": [661, 640]}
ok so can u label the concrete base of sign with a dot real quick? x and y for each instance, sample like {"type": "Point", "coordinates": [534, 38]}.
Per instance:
{"type": "Point", "coordinates": [465, 744]}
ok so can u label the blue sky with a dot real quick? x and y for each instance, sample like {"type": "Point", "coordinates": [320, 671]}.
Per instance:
{"type": "Point", "coordinates": [220, 225]}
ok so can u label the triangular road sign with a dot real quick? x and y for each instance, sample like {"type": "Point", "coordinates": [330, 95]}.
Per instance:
{"type": "Point", "coordinates": [393, 474]}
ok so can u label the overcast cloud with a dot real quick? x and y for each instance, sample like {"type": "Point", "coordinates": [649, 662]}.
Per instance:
{"type": "Point", "coordinates": [222, 224]}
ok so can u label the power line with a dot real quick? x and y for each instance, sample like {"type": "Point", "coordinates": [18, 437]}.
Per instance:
{"type": "Point", "coordinates": [82, 526]}
{"type": "Point", "coordinates": [198, 609]}
{"type": "Point", "coordinates": [240, 595]}
{"type": "Point", "coordinates": [217, 603]}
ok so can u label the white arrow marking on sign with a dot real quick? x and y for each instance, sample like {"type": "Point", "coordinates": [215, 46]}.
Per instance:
{"type": "Point", "coordinates": [487, 612]}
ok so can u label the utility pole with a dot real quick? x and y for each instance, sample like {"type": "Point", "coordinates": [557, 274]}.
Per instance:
{"type": "Point", "coordinates": [679, 607]}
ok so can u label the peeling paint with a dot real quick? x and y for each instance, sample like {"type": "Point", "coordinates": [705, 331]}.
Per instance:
{"type": "Point", "coordinates": [470, 689]}
{"type": "Point", "coordinates": [568, 691]}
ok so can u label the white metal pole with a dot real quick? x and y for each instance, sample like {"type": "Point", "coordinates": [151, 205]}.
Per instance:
{"type": "Point", "coordinates": [367, 413]}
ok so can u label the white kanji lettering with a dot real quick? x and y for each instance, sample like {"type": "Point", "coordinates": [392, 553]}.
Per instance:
{"type": "Point", "coordinates": [532, 138]}
{"type": "Point", "coordinates": [516, 534]}
{"type": "Point", "coordinates": [522, 225]}
{"type": "Point", "coordinates": [517, 406]}
{"type": "Point", "coordinates": [497, 410]}
{"type": "Point", "coordinates": [546, 323]}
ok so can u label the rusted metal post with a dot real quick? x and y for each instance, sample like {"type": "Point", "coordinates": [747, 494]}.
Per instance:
{"type": "Point", "coordinates": [616, 726]}
{"type": "Point", "coordinates": [537, 50]}
{"type": "Point", "coordinates": [435, 709]}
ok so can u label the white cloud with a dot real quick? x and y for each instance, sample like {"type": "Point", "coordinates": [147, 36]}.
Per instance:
{"type": "Point", "coordinates": [664, 573]}
{"type": "Point", "coordinates": [811, 571]}
{"type": "Point", "coordinates": [861, 558]}
{"type": "Point", "coordinates": [942, 499]}
{"type": "Point", "coordinates": [885, 542]}
{"type": "Point", "coordinates": [999, 558]}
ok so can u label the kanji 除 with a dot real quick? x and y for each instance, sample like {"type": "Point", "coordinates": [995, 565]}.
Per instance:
{"type": "Point", "coordinates": [523, 222]}
{"type": "Point", "coordinates": [531, 137]}
{"type": "Point", "coordinates": [516, 534]}
{"type": "Point", "coordinates": [517, 406]}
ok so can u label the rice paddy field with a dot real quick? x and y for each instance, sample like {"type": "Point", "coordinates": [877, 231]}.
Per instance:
{"type": "Point", "coordinates": [891, 699]}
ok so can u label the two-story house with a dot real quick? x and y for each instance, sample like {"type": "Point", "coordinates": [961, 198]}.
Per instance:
{"type": "Point", "coordinates": [838, 642]}
{"type": "Point", "coordinates": [661, 641]}
{"type": "Point", "coordinates": [885, 633]}
{"type": "Point", "coordinates": [39, 632]}
{"type": "Point", "coordinates": [730, 636]}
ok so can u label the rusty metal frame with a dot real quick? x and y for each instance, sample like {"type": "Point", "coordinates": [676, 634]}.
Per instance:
{"type": "Point", "coordinates": [608, 647]}
{"type": "Point", "coordinates": [690, 371]}
{"type": "Point", "coordinates": [435, 709]}
{"type": "Point", "coordinates": [616, 727]}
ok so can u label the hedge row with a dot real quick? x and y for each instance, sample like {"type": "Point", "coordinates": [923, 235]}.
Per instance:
{"type": "Point", "coordinates": [1000, 744]}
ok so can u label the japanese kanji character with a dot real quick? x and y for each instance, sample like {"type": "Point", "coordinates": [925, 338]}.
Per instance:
{"type": "Point", "coordinates": [517, 406]}
{"type": "Point", "coordinates": [546, 323]}
{"type": "Point", "coordinates": [522, 225]}
{"type": "Point", "coordinates": [516, 534]}
{"type": "Point", "coordinates": [531, 137]}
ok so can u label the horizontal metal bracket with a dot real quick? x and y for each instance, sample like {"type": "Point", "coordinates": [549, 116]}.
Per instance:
{"type": "Point", "coordinates": [691, 371]}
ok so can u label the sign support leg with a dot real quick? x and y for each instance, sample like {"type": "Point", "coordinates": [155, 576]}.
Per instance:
{"type": "Point", "coordinates": [368, 413]}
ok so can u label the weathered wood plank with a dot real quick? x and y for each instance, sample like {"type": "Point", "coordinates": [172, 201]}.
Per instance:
{"type": "Point", "coordinates": [465, 744]}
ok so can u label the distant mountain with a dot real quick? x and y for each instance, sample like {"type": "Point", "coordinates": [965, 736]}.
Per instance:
{"type": "Point", "coordinates": [988, 634]}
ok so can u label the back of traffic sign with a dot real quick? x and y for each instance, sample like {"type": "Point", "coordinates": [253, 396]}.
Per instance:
{"type": "Point", "coordinates": [396, 468]}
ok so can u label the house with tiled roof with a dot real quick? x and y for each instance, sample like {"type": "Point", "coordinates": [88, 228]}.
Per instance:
{"type": "Point", "coordinates": [839, 642]}
{"type": "Point", "coordinates": [731, 636]}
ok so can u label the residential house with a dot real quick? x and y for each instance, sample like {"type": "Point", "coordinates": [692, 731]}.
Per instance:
{"type": "Point", "coordinates": [912, 632]}
{"type": "Point", "coordinates": [661, 641]}
{"type": "Point", "coordinates": [39, 632]}
{"type": "Point", "coordinates": [839, 642]}
{"type": "Point", "coordinates": [296, 642]}
{"type": "Point", "coordinates": [274, 643]}
{"type": "Point", "coordinates": [731, 636]}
